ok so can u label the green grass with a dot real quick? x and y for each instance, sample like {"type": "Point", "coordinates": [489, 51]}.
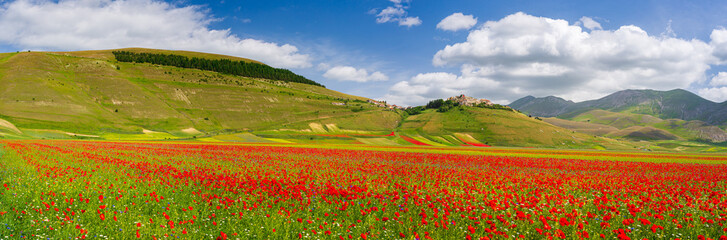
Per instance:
{"type": "Point", "coordinates": [616, 119]}
{"type": "Point", "coordinates": [583, 127]}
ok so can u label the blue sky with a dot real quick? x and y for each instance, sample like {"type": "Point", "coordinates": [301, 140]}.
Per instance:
{"type": "Point", "coordinates": [535, 48]}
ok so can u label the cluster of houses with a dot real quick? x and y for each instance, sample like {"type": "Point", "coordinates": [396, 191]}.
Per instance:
{"type": "Point", "coordinates": [461, 99]}
{"type": "Point", "coordinates": [469, 101]}
{"type": "Point", "coordinates": [383, 104]}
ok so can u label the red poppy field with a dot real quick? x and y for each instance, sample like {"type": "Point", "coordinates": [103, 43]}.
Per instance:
{"type": "Point", "coordinates": [83, 189]}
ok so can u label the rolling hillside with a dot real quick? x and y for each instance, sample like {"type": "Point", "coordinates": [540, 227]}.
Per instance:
{"type": "Point", "coordinates": [500, 128]}
{"type": "Point", "coordinates": [639, 126]}
{"type": "Point", "coordinates": [89, 94]}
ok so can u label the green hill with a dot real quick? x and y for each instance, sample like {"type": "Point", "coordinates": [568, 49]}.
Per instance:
{"type": "Point", "coordinates": [89, 94]}
{"type": "Point", "coordinates": [499, 128]}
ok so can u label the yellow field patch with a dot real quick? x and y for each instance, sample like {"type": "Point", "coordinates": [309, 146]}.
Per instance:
{"type": "Point", "coordinates": [317, 127]}
{"type": "Point", "coordinates": [9, 126]}
{"type": "Point", "coordinates": [333, 128]}
{"type": "Point", "coordinates": [466, 137]}
{"type": "Point", "coordinates": [278, 140]}
{"type": "Point", "coordinates": [377, 141]}
{"type": "Point", "coordinates": [191, 131]}
{"type": "Point", "coordinates": [427, 141]}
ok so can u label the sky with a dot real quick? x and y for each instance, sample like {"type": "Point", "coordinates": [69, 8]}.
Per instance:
{"type": "Point", "coordinates": [408, 52]}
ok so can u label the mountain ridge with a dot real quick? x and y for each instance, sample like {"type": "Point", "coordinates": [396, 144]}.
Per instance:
{"type": "Point", "coordinates": [636, 114]}
{"type": "Point", "coordinates": [677, 103]}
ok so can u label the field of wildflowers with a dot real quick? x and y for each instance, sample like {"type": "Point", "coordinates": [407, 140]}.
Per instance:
{"type": "Point", "coordinates": [84, 189]}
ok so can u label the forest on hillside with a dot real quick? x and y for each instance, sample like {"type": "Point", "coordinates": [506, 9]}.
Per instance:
{"type": "Point", "coordinates": [239, 68]}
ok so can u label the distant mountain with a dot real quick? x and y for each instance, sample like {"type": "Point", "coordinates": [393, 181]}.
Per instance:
{"type": "Point", "coordinates": [543, 107]}
{"type": "Point", "coordinates": [636, 114]}
{"type": "Point", "coordinates": [678, 103]}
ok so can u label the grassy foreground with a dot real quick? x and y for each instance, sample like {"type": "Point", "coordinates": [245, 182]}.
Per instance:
{"type": "Point", "coordinates": [87, 189]}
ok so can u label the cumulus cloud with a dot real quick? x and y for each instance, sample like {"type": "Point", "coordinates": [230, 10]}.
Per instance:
{"type": "Point", "coordinates": [589, 23]}
{"type": "Point", "coordinates": [523, 55]}
{"type": "Point", "coordinates": [398, 14]}
{"type": "Point", "coordinates": [719, 80]}
{"type": "Point", "coordinates": [104, 24]}
{"type": "Point", "coordinates": [456, 22]}
{"type": "Point", "coordinates": [410, 21]}
{"type": "Point", "coordinates": [719, 42]}
{"type": "Point", "coordinates": [717, 94]}
{"type": "Point", "coordinates": [348, 73]}
{"type": "Point", "coordinates": [717, 90]}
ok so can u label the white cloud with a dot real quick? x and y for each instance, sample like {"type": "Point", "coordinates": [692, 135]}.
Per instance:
{"type": "Point", "coordinates": [718, 88]}
{"type": "Point", "coordinates": [397, 13]}
{"type": "Point", "coordinates": [589, 23]}
{"type": "Point", "coordinates": [717, 94]}
{"type": "Point", "coordinates": [523, 55]}
{"type": "Point", "coordinates": [410, 21]}
{"type": "Point", "coordinates": [390, 14]}
{"type": "Point", "coordinates": [456, 22]}
{"type": "Point", "coordinates": [348, 73]}
{"type": "Point", "coordinates": [719, 42]}
{"type": "Point", "coordinates": [104, 24]}
{"type": "Point", "coordinates": [719, 80]}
